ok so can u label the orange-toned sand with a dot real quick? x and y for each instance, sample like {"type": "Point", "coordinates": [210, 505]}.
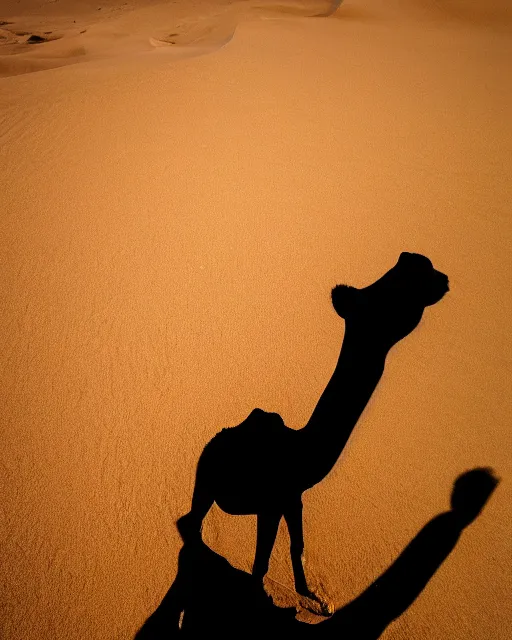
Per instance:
{"type": "Point", "coordinates": [181, 186]}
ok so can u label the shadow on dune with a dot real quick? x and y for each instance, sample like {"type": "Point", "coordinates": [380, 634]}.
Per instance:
{"type": "Point", "coordinates": [262, 467]}
{"type": "Point", "coordinates": [209, 597]}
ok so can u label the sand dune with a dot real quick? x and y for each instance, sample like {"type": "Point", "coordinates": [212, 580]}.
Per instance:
{"type": "Point", "coordinates": [174, 217]}
{"type": "Point", "coordinates": [113, 30]}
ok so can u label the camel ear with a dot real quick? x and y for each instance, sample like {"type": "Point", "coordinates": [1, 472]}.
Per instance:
{"type": "Point", "coordinates": [407, 259]}
{"type": "Point", "coordinates": [343, 298]}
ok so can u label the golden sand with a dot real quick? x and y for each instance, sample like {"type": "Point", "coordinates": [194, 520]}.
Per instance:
{"type": "Point", "coordinates": [182, 185]}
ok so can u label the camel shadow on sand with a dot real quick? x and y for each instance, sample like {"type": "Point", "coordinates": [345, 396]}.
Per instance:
{"type": "Point", "coordinates": [210, 598]}
{"type": "Point", "coordinates": [262, 467]}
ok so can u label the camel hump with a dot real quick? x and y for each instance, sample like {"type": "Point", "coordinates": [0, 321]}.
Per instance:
{"type": "Point", "coordinates": [257, 420]}
{"type": "Point", "coordinates": [259, 428]}
{"type": "Point", "coordinates": [262, 421]}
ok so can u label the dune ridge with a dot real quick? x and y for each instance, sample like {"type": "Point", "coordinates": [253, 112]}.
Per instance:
{"type": "Point", "coordinates": [171, 232]}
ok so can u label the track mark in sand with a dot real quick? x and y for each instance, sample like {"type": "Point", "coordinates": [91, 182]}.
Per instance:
{"type": "Point", "coordinates": [310, 610]}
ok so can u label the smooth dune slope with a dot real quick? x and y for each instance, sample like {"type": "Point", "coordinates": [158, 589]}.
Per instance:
{"type": "Point", "coordinates": [172, 224]}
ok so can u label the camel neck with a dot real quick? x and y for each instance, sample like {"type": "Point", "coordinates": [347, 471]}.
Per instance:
{"type": "Point", "coordinates": [358, 371]}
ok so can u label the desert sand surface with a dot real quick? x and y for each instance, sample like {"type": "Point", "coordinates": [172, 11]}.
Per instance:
{"type": "Point", "coordinates": [182, 184]}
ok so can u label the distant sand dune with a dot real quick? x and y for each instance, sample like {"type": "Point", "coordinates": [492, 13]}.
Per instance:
{"type": "Point", "coordinates": [137, 31]}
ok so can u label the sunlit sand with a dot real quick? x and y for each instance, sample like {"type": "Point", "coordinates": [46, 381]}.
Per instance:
{"type": "Point", "coordinates": [182, 186]}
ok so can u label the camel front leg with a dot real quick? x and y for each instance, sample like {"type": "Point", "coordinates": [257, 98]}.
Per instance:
{"type": "Point", "coordinates": [293, 517]}
{"type": "Point", "coordinates": [268, 524]}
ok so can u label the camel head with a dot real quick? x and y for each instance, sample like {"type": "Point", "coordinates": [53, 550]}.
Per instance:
{"type": "Point", "coordinates": [392, 307]}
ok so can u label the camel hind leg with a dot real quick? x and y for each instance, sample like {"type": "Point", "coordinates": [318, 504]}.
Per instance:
{"type": "Point", "coordinates": [190, 525]}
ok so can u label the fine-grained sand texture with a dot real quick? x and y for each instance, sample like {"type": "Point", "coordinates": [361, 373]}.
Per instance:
{"type": "Point", "coordinates": [172, 223]}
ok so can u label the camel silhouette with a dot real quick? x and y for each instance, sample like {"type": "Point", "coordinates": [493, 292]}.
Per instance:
{"type": "Point", "coordinates": [210, 598]}
{"type": "Point", "coordinates": [262, 467]}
